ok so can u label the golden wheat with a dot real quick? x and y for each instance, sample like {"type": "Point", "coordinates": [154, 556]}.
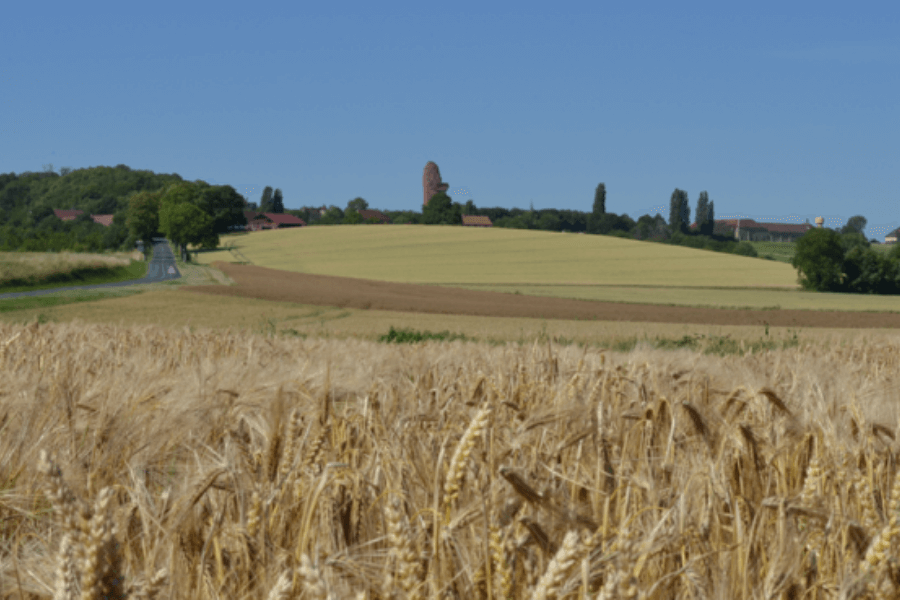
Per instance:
{"type": "Point", "coordinates": [190, 464]}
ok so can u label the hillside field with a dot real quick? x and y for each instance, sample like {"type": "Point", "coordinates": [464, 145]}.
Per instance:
{"type": "Point", "coordinates": [469, 255]}
{"type": "Point", "coordinates": [539, 263]}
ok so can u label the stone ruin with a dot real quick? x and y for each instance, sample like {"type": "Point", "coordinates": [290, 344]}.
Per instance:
{"type": "Point", "coordinates": [431, 182]}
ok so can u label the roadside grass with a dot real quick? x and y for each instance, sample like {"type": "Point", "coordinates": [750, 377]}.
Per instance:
{"type": "Point", "coordinates": [28, 305]}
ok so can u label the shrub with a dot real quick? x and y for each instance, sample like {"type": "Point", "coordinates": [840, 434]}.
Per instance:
{"type": "Point", "coordinates": [410, 336]}
{"type": "Point", "coordinates": [744, 249]}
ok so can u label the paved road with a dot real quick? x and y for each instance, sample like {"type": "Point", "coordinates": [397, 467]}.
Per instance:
{"type": "Point", "coordinates": [161, 268]}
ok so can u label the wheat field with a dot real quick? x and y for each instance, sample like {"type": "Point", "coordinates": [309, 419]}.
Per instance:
{"type": "Point", "coordinates": [449, 255]}
{"type": "Point", "coordinates": [144, 462]}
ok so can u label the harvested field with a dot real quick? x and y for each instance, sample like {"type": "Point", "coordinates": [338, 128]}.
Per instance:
{"type": "Point", "coordinates": [190, 465]}
{"type": "Point", "coordinates": [280, 286]}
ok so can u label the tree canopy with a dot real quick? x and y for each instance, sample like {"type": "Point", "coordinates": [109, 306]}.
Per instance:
{"type": "Point", "coordinates": [357, 204]}
{"type": "Point", "coordinates": [818, 259]}
{"type": "Point", "coordinates": [855, 224]}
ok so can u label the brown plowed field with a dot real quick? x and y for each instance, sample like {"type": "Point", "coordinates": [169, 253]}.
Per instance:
{"type": "Point", "coordinates": [283, 286]}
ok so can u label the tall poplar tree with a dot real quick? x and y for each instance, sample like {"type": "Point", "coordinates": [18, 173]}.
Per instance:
{"type": "Point", "coordinates": [677, 210]}
{"type": "Point", "coordinates": [277, 202]}
{"type": "Point", "coordinates": [710, 225]}
{"type": "Point", "coordinates": [265, 202]}
{"type": "Point", "coordinates": [702, 210]}
{"type": "Point", "coordinates": [600, 200]}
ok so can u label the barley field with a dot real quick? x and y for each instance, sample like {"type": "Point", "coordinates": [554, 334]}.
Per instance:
{"type": "Point", "coordinates": [469, 255]}
{"type": "Point", "coordinates": [146, 462]}
{"type": "Point", "coordinates": [37, 265]}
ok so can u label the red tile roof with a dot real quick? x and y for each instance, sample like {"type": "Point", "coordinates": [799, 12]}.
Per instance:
{"type": "Point", "coordinates": [67, 215]}
{"type": "Point", "coordinates": [285, 219]}
{"type": "Point", "coordinates": [374, 214]}
{"type": "Point", "coordinates": [771, 227]}
{"type": "Point", "coordinates": [105, 220]}
{"type": "Point", "coordinates": [476, 221]}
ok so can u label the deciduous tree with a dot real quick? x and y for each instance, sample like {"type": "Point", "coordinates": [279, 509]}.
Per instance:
{"type": "Point", "coordinates": [357, 204]}
{"type": "Point", "coordinates": [224, 205]}
{"type": "Point", "coordinates": [438, 210]}
{"type": "Point", "coordinates": [184, 223]}
{"type": "Point", "coordinates": [855, 224]}
{"type": "Point", "coordinates": [143, 216]}
{"type": "Point", "coordinates": [818, 258]}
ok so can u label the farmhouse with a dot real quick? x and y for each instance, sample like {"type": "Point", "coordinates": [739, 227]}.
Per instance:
{"type": "Point", "coordinates": [67, 215]}
{"type": "Point", "coordinates": [374, 214]}
{"type": "Point", "coordinates": [476, 221]}
{"type": "Point", "coordinates": [891, 238]}
{"type": "Point", "coordinates": [259, 221]}
{"type": "Point", "coordinates": [71, 215]}
{"type": "Point", "coordinates": [749, 230]}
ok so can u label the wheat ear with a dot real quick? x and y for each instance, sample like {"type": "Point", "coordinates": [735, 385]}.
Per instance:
{"type": "Point", "coordinates": [103, 569]}
{"type": "Point", "coordinates": [283, 587]}
{"type": "Point", "coordinates": [67, 575]}
{"type": "Point", "coordinates": [461, 455]}
{"type": "Point", "coordinates": [312, 580]}
{"type": "Point", "coordinates": [400, 538]}
{"type": "Point", "coordinates": [548, 586]}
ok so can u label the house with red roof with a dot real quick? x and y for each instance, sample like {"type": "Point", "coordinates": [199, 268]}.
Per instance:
{"type": "Point", "coordinates": [748, 230]}
{"type": "Point", "coordinates": [476, 221]}
{"type": "Point", "coordinates": [259, 221]}
{"type": "Point", "coordinates": [67, 215]}
{"type": "Point", "coordinates": [367, 214]}
{"type": "Point", "coordinates": [71, 215]}
{"type": "Point", "coordinates": [105, 220]}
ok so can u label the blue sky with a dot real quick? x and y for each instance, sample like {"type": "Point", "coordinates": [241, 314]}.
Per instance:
{"type": "Point", "coordinates": [781, 111]}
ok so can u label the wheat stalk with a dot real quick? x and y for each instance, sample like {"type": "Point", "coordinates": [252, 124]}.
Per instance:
{"type": "Point", "coordinates": [559, 567]}
{"type": "Point", "coordinates": [461, 455]}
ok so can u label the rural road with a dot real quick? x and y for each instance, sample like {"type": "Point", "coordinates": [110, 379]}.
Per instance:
{"type": "Point", "coordinates": [161, 268]}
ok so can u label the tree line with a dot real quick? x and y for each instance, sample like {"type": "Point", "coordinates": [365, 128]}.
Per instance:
{"type": "Point", "coordinates": [147, 205]}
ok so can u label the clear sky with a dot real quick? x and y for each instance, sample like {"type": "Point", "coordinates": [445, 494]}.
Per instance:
{"type": "Point", "coordinates": [781, 111]}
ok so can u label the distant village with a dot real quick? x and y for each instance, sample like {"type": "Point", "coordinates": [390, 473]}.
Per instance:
{"type": "Point", "coordinates": [741, 229]}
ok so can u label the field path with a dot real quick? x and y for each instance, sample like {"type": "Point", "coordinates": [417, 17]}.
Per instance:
{"type": "Point", "coordinates": [345, 292]}
{"type": "Point", "coordinates": [161, 268]}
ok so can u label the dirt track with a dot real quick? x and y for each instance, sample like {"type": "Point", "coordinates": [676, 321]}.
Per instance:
{"type": "Point", "coordinates": [282, 286]}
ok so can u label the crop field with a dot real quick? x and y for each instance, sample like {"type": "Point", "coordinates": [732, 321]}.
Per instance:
{"type": "Point", "coordinates": [539, 263]}
{"type": "Point", "coordinates": [35, 270]}
{"type": "Point", "coordinates": [175, 464]}
{"type": "Point", "coordinates": [714, 297]}
{"type": "Point", "coordinates": [176, 310]}
{"type": "Point", "coordinates": [468, 255]}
